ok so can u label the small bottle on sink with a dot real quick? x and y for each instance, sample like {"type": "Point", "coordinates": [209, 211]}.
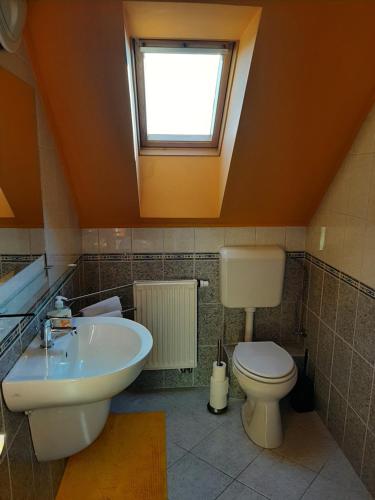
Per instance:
{"type": "Point", "coordinates": [61, 313]}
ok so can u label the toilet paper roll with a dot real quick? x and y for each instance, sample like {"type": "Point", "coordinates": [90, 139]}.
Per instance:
{"type": "Point", "coordinates": [219, 393]}
{"type": "Point", "coordinates": [219, 371]}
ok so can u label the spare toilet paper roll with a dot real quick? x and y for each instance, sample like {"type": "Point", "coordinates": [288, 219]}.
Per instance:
{"type": "Point", "coordinates": [219, 371]}
{"type": "Point", "coordinates": [104, 306]}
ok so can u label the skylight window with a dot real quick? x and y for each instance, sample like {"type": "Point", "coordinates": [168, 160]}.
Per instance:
{"type": "Point", "coordinates": [181, 90]}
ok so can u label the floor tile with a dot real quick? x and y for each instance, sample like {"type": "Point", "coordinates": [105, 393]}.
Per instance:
{"type": "Point", "coordinates": [322, 488]}
{"type": "Point", "coordinates": [126, 402]}
{"type": "Point", "coordinates": [232, 419]}
{"type": "Point", "coordinates": [276, 477]}
{"type": "Point", "coordinates": [238, 491]}
{"type": "Point", "coordinates": [228, 450]}
{"type": "Point", "coordinates": [188, 398]}
{"type": "Point", "coordinates": [339, 470]}
{"type": "Point", "coordinates": [307, 446]}
{"type": "Point", "coordinates": [191, 478]}
{"type": "Point", "coordinates": [174, 453]}
{"type": "Point", "coordinates": [187, 429]}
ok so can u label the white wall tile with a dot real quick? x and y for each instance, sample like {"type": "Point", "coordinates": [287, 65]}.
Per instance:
{"type": "Point", "coordinates": [354, 239]}
{"type": "Point", "coordinates": [270, 236]}
{"type": "Point", "coordinates": [115, 240]}
{"type": "Point", "coordinates": [295, 239]}
{"type": "Point", "coordinates": [371, 203]}
{"type": "Point", "coordinates": [90, 241]}
{"type": "Point", "coordinates": [239, 236]}
{"type": "Point", "coordinates": [37, 244]}
{"type": "Point", "coordinates": [368, 265]}
{"type": "Point", "coordinates": [148, 240]}
{"type": "Point", "coordinates": [334, 239]}
{"type": "Point", "coordinates": [337, 195]}
{"type": "Point", "coordinates": [348, 211]}
{"type": "Point", "coordinates": [179, 239]}
{"type": "Point", "coordinates": [365, 140]}
{"type": "Point", "coordinates": [209, 239]}
{"type": "Point", "coordinates": [14, 241]}
{"type": "Point", "coordinates": [358, 179]}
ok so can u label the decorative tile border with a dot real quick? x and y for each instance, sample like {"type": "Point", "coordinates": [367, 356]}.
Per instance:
{"type": "Point", "coordinates": [365, 289]}
{"type": "Point", "coordinates": [89, 257]}
{"type": "Point", "coordinates": [179, 256]}
{"type": "Point", "coordinates": [370, 292]}
{"type": "Point", "coordinates": [333, 271]}
{"type": "Point", "coordinates": [295, 255]}
{"type": "Point", "coordinates": [19, 258]}
{"type": "Point", "coordinates": [349, 280]}
{"type": "Point", "coordinates": [147, 256]}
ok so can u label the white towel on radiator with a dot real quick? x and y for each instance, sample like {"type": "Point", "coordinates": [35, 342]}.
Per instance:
{"type": "Point", "coordinates": [112, 314]}
{"type": "Point", "coordinates": [102, 307]}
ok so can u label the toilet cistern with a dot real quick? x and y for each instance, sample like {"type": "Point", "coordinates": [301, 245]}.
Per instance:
{"type": "Point", "coordinates": [251, 277]}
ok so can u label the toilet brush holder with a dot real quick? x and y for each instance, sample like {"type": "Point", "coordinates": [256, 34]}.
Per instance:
{"type": "Point", "coordinates": [218, 389]}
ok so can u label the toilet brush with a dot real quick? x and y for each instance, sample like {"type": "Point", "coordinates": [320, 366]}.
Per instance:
{"type": "Point", "coordinates": [219, 385]}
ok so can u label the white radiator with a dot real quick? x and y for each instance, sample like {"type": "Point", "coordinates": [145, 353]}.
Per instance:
{"type": "Point", "coordinates": [169, 310]}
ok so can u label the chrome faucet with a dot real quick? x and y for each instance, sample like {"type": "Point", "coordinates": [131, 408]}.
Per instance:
{"type": "Point", "coordinates": [49, 331]}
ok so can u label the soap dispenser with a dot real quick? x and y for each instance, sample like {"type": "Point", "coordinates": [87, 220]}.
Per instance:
{"type": "Point", "coordinates": [61, 311]}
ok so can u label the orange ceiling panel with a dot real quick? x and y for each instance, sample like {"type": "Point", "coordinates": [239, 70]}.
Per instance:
{"type": "Point", "coordinates": [312, 81]}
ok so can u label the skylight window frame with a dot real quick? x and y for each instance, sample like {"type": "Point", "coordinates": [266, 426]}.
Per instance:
{"type": "Point", "coordinates": [227, 48]}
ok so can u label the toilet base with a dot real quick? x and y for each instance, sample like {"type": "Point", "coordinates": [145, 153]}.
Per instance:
{"type": "Point", "coordinates": [262, 423]}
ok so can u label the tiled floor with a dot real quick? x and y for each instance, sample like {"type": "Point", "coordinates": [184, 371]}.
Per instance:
{"type": "Point", "coordinates": [210, 457]}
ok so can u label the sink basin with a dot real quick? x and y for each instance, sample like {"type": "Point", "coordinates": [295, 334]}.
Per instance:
{"type": "Point", "coordinates": [66, 390]}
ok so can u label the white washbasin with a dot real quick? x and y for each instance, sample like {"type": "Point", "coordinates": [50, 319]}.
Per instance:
{"type": "Point", "coordinates": [66, 390]}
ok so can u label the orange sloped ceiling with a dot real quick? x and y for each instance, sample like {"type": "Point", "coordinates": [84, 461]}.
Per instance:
{"type": "Point", "coordinates": [311, 83]}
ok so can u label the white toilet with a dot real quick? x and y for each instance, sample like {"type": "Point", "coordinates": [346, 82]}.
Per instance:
{"type": "Point", "coordinates": [253, 277]}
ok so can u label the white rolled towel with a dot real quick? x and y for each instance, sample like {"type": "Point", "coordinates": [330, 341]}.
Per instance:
{"type": "Point", "coordinates": [112, 314]}
{"type": "Point", "coordinates": [102, 307]}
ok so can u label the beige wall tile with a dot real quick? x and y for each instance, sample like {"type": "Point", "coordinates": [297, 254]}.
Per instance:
{"type": "Point", "coordinates": [37, 244]}
{"type": "Point", "coordinates": [371, 202]}
{"type": "Point", "coordinates": [295, 239]}
{"type": "Point", "coordinates": [209, 239]}
{"type": "Point", "coordinates": [368, 266]}
{"type": "Point", "coordinates": [90, 240]}
{"type": "Point", "coordinates": [334, 238]}
{"type": "Point", "coordinates": [179, 239]}
{"type": "Point", "coordinates": [115, 240]}
{"type": "Point", "coordinates": [352, 254]}
{"type": "Point", "coordinates": [148, 240]}
{"type": "Point", "coordinates": [358, 180]}
{"type": "Point", "coordinates": [365, 139]}
{"type": "Point", "coordinates": [14, 241]}
{"type": "Point", "coordinates": [239, 236]}
{"type": "Point", "coordinates": [270, 236]}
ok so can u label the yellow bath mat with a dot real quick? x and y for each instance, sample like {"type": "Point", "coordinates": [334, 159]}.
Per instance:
{"type": "Point", "coordinates": [126, 462]}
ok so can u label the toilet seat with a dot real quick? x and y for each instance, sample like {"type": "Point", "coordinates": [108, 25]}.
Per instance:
{"type": "Point", "coordinates": [264, 361]}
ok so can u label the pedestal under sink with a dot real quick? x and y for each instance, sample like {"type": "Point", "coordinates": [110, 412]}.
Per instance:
{"type": "Point", "coordinates": [66, 390]}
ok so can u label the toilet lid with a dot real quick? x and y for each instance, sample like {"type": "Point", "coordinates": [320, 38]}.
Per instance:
{"type": "Point", "coordinates": [265, 359]}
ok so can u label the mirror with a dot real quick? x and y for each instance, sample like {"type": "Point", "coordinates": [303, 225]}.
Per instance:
{"type": "Point", "coordinates": [22, 249]}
